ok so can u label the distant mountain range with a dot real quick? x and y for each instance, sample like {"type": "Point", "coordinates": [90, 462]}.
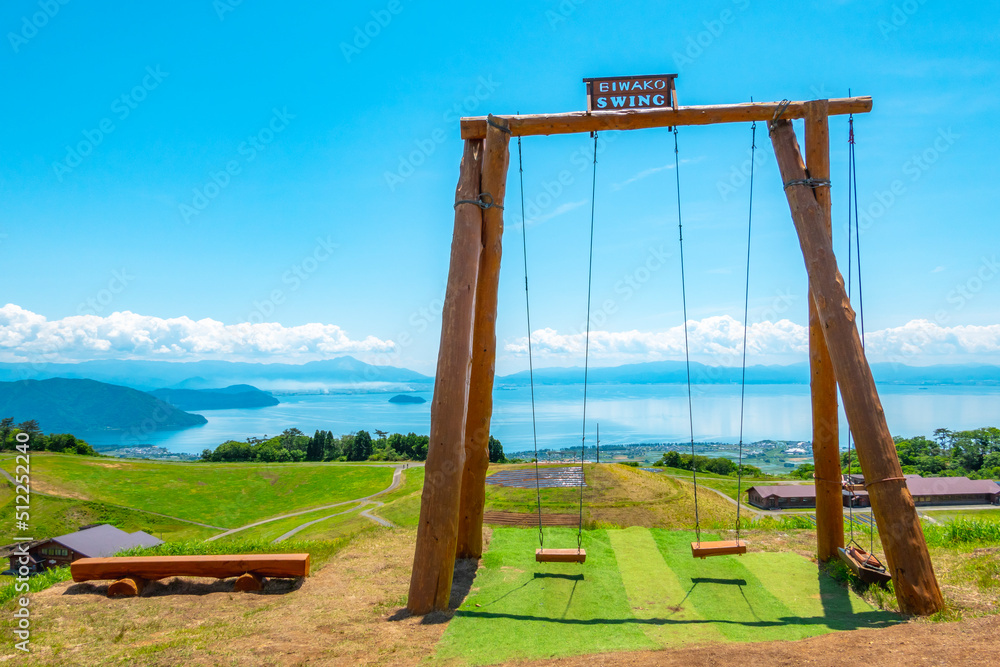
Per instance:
{"type": "Point", "coordinates": [74, 406]}
{"type": "Point", "coordinates": [343, 374]}
{"type": "Point", "coordinates": [674, 372]}
{"type": "Point", "coordinates": [348, 375]}
{"type": "Point", "coordinates": [235, 396]}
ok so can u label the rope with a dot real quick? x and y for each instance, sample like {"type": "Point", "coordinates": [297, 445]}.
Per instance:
{"type": "Point", "coordinates": [687, 350]}
{"type": "Point", "coordinates": [746, 318]}
{"type": "Point", "coordinates": [484, 201]}
{"type": "Point", "coordinates": [586, 354]}
{"type": "Point", "coordinates": [531, 365]}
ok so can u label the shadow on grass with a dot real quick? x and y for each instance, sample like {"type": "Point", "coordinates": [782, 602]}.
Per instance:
{"type": "Point", "coordinates": [180, 586]}
{"type": "Point", "coordinates": [856, 621]}
{"type": "Point", "coordinates": [548, 575]}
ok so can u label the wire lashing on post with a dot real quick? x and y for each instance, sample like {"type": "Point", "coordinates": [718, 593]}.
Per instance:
{"type": "Point", "coordinates": [778, 113]}
{"type": "Point", "coordinates": [810, 183]}
{"type": "Point", "coordinates": [484, 201]}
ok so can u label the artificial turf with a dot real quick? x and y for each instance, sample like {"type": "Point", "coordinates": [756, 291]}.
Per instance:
{"type": "Point", "coordinates": [639, 589]}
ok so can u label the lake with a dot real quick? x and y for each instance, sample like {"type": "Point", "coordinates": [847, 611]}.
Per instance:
{"type": "Point", "coordinates": [627, 414]}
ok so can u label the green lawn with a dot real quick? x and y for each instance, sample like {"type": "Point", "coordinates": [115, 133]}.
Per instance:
{"type": "Point", "coordinates": [945, 515]}
{"type": "Point", "coordinates": [639, 589]}
{"type": "Point", "coordinates": [402, 506]}
{"type": "Point", "coordinates": [275, 529]}
{"type": "Point", "coordinates": [225, 495]}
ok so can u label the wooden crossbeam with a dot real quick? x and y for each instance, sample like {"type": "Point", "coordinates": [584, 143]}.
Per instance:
{"type": "Point", "coordinates": [639, 119]}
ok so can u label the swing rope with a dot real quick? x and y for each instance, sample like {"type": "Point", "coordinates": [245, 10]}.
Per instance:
{"type": "Point", "coordinates": [687, 348]}
{"type": "Point", "coordinates": [586, 363]}
{"type": "Point", "coordinates": [746, 324]}
{"type": "Point", "coordinates": [854, 249]}
{"type": "Point", "coordinates": [531, 365]}
{"type": "Point", "coordinates": [586, 354]}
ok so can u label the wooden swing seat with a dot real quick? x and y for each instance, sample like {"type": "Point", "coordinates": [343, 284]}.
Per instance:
{"type": "Point", "coordinates": [724, 548]}
{"type": "Point", "coordinates": [560, 555]}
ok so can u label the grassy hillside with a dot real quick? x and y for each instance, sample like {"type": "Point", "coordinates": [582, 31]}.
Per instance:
{"type": "Point", "coordinates": [224, 495]}
{"type": "Point", "coordinates": [618, 495]}
{"type": "Point", "coordinates": [58, 516]}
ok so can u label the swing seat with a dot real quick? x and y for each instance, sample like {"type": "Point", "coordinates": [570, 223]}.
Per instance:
{"type": "Point", "coordinates": [724, 548]}
{"type": "Point", "coordinates": [560, 555]}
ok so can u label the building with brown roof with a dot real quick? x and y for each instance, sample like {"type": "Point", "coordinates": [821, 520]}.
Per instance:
{"type": "Point", "coordinates": [94, 542]}
{"type": "Point", "coordinates": [925, 491]}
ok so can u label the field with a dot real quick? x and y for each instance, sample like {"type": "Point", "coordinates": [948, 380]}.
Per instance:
{"type": "Point", "coordinates": [220, 495]}
{"type": "Point", "coordinates": [618, 495]}
{"type": "Point", "coordinates": [640, 591]}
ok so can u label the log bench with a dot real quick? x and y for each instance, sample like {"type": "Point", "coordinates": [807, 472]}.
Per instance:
{"type": "Point", "coordinates": [131, 574]}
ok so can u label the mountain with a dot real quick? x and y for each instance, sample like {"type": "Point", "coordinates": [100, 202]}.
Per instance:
{"type": "Point", "coordinates": [341, 374]}
{"type": "Point", "coordinates": [234, 396]}
{"type": "Point", "coordinates": [674, 372]}
{"type": "Point", "coordinates": [64, 405]}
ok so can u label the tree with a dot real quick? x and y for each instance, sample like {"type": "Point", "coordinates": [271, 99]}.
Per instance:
{"type": "Point", "coordinates": [804, 471]}
{"type": "Point", "coordinates": [721, 466]}
{"type": "Point", "coordinates": [381, 434]}
{"type": "Point", "coordinates": [6, 426]}
{"type": "Point", "coordinates": [30, 427]}
{"type": "Point", "coordinates": [362, 447]}
{"type": "Point", "coordinates": [314, 448]}
{"type": "Point", "coordinates": [398, 444]}
{"type": "Point", "coordinates": [496, 451]}
{"type": "Point", "coordinates": [671, 459]}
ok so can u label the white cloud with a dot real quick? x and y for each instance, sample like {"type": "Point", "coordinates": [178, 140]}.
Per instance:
{"type": "Point", "coordinates": [27, 336]}
{"type": "Point", "coordinates": [719, 340]}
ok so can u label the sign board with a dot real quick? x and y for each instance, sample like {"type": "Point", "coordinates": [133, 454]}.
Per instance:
{"type": "Point", "coordinates": [655, 91]}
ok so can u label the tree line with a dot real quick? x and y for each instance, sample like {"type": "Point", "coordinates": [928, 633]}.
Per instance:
{"type": "Point", "coordinates": [974, 454]}
{"type": "Point", "coordinates": [66, 443]}
{"type": "Point", "coordinates": [717, 465]}
{"type": "Point", "coordinates": [293, 446]}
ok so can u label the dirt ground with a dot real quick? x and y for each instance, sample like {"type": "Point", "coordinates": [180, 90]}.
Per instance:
{"type": "Point", "coordinates": [350, 612]}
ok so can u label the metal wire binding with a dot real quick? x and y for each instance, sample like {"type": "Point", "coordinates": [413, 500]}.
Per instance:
{"type": "Point", "coordinates": [484, 201]}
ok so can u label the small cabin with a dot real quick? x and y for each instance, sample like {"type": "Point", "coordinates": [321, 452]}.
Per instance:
{"type": "Point", "coordinates": [92, 542]}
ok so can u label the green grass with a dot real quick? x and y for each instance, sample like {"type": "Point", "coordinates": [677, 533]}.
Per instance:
{"type": "Point", "coordinates": [319, 551]}
{"type": "Point", "coordinates": [50, 516]}
{"type": "Point", "coordinates": [963, 531]}
{"type": "Point", "coordinates": [338, 527]}
{"type": "Point", "coordinates": [37, 583]}
{"type": "Point", "coordinates": [225, 495]}
{"type": "Point", "coordinates": [402, 506]}
{"type": "Point", "coordinates": [639, 589]}
{"type": "Point", "coordinates": [275, 529]}
{"type": "Point", "coordinates": [945, 515]}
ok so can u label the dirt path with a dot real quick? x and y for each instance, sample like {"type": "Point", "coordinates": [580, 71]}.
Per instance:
{"type": "Point", "coordinates": [397, 479]}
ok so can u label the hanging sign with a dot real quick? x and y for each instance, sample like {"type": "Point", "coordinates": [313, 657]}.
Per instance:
{"type": "Point", "coordinates": [631, 92]}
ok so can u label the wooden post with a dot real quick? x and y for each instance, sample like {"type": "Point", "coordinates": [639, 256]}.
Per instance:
{"type": "Point", "coordinates": [484, 347]}
{"type": "Point", "coordinates": [895, 514]}
{"type": "Point", "coordinates": [437, 532]}
{"type": "Point", "coordinates": [127, 587]}
{"type": "Point", "coordinates": [823, 382]}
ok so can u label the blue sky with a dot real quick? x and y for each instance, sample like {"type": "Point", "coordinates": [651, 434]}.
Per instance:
{"type": "Point", "coordinates": [263, 180]}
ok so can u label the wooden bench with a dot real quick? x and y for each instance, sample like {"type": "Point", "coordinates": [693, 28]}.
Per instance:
{"type": "Point", "coordinates": [131, 574]}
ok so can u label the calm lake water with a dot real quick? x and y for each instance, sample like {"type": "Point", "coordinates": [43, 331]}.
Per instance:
{"type": "Point", "coordinates": [627, 413]}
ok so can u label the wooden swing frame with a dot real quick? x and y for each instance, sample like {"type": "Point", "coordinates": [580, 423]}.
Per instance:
{"type": "Point", "coordinates": [453, 497]}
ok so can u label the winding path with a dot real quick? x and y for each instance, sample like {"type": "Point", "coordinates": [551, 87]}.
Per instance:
{"type": "Point", "coordinates": [397, 478]}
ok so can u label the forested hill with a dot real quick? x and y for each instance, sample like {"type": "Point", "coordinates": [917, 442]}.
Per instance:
{"type": "Point", "coordinates": [64, 405]}
{"type": "Point", "coordinates": [235, 396]}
